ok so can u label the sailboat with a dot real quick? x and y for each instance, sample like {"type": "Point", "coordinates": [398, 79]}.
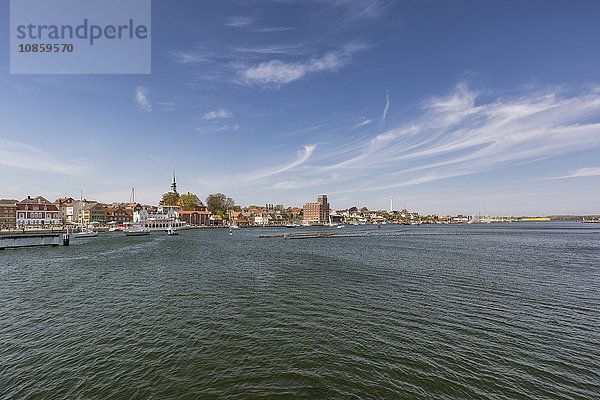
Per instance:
{"type": "Point", "coordinates": [135, 229]}
{"type": "Point", "coordinates": [84, 232]}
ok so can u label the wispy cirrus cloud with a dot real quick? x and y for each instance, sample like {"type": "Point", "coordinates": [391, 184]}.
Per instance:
{"type": "Point", "coordinates": [387, 106]}
{"type": "Point", "coordinates": [460, 134]}
{"type": "Point", "coordinates": [220, 113]}
{"type": "Point", "coordinates": [141, 98]}
{"type": "Point", "coordinates": [365, 121]}
{"type": "Point", "coordinates": [302, 157]}
{"type": "Point", "coordinates": [24, 156]}
{"type": "Point", "coordinates": [276, 72]}
{"type": "Point", "coordinates": [580, 173]}
{"type": "Point", "coordinates": [233, 127]}
{"type": "Point", "coordinates": [188, 57]}
{"type": "Point", "coordinates": [286, 49]}
{"type": "Point", "coordinates": [168, 105]}
{"type": "Point", "coordinates": [359, 9]}
{"type": "Point", "coordinates": [239, 21]}
{"type": "Point", "coordinates": [249, 23]}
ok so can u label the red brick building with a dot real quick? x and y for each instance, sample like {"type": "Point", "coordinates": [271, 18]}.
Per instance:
{"type": "Point", "coordinates": [317, 213]}
{"type": "Point", "coordinates": [119, 215]}
{"type": "Point", "coordinates": [8, 214]}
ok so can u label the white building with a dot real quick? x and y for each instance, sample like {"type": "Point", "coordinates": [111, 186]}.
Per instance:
{"type": "Point", "coordinates": [37, 212]}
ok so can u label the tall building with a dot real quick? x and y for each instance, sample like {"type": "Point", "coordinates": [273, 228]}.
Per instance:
{"type": "Point", "coordinates": [316, 213]}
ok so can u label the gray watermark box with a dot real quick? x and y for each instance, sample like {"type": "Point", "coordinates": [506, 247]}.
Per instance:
{"type": "Point", "coordinates": [80, 37]}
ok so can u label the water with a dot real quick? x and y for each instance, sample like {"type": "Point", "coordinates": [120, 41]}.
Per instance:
{"type": "Point", "coordinates": [499, 311]}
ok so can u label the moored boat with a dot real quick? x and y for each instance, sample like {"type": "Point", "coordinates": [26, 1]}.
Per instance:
{"type": "Point", "coordinates": [136, 231]}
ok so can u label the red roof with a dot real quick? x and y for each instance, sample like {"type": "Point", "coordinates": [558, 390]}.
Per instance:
{"type": "Point", "coordinates": [49, 207]}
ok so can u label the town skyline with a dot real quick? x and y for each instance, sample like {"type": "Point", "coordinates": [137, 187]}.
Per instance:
{"type": "Point", "coordinates": [438, 105]}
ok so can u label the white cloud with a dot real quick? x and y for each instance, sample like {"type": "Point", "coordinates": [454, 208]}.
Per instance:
{"type": "Point", "coordinates": [22, 155]}
{"type": "Point", "coordinates": [215, 128]}
{"type": "Point", "coordinates": [168, 105]}
{"type": "Point", "coordinates": [460, 134]}
{"type": "Point", "coordinates": [582, 172]}
{"type": "Point", "coordinates": [233, 127]}
{"type": "Point", "coordinates": [387, 106]}
{"type": "Point", "coordinates": [365, 121]}
{"type": "Point", "coordinates": [276, 72]}
{"type": "Point", "coordinates": [290, 49]}
{"type": "Point", "coordinates": [188, 57]}
{"type": "Point", "coordinates": [141, 97]}
{"type": "Point", "coordinates": [239, 22]}
{"type": "Point", "coordinates": [303, 156]}
{"type": "Point", "coordinates": [220, 113]}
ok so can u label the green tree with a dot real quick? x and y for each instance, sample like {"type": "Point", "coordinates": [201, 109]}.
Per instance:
{"type": "Point", "coordinates": [169, 199]}
{"type": "Point", "coordinates": [188, 201]}
{"type": "Point", "coordinates": [219, 203]}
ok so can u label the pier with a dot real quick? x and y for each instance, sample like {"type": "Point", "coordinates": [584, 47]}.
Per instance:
{"type": "Point", "coordinates": [33, 240]}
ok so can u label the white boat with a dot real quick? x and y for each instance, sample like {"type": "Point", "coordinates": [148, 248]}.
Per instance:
{"type": "Point", "coordinates": [340, 226]}
{"type": "Point", "coordinates": [171, 231]}
{"type": "Point", "coordinates": [291, 225]}
{"type": "Point", "coordinates": [85, 233]}
{"type": "Point", "coordinates": [84, 230]}
{"type": "Point", "coordinates": [234, 226]}
{"type": "Point", "coordinates": [136, 231]}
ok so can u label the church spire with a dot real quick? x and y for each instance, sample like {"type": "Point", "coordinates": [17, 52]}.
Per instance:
{"type": "Point", "coordinates": [174, 184]}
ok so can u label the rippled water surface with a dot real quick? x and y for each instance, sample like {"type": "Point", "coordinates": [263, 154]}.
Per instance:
{"type": "Point", "coordinates": [502, 311]}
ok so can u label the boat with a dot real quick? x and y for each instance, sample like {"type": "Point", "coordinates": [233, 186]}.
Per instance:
{"type": "Point", "coordinates": [291, 225]}
{"type": "Point", "coordinates": [340, 226]}
{"type": "Point", "coordinates": [136, 231]}
{"type": "Point", "coordinates": [85, 232]}
{"type": "Point", "coordinates": [171, 231]}
{"type": "Point", "coordinates": [234, 226]}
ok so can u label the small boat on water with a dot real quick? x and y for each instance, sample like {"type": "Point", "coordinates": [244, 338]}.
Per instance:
{"type": "Point", "coordinates": [85, 233]}
{"type": "Point", "coordinates": [340, 226]}
{"type": "Point", "coordinates": [291, 225]}
{"type": "Point", "coordinates": [171, 231]}
{"type": "Point", "coordinates": [136, 231]}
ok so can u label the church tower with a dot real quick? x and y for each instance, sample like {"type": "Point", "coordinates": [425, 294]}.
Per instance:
{"type": "Point", "coordinates": [174, 185]}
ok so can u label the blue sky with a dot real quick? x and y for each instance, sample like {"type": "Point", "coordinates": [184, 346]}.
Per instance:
{"type": "Point", "coordinates": [451, 107]}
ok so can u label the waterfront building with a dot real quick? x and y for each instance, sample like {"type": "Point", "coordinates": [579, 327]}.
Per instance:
{"type": "Point", "coordinates": [93, 212]}
{"type": "Point", "coordinates": [37, 212]}
{"type": "Point", "coordinates": [239, 218]}
{"type": "Point", "coordinates": [194, 218]}
{"type": "Point", "coordinates": [216, 220]}
{"type": "Point", "coordinates": [259, 217]}
{"type": "Point", "coordinates": [316, 213]}
{"type": "Point", "coordinates": [118, 215]}
{"type": "Point", "coordinates": [165, 209]}
{"type": "Point", "coordinates": [8, 214]}
{"type": "Point", "coordinates": [63, 203]}
{"type": "Point", "coordinates": [136, 207]}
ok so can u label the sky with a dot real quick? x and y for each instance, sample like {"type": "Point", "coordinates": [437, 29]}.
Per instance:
{"type": "Point", "coordinates": [466, 107]}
